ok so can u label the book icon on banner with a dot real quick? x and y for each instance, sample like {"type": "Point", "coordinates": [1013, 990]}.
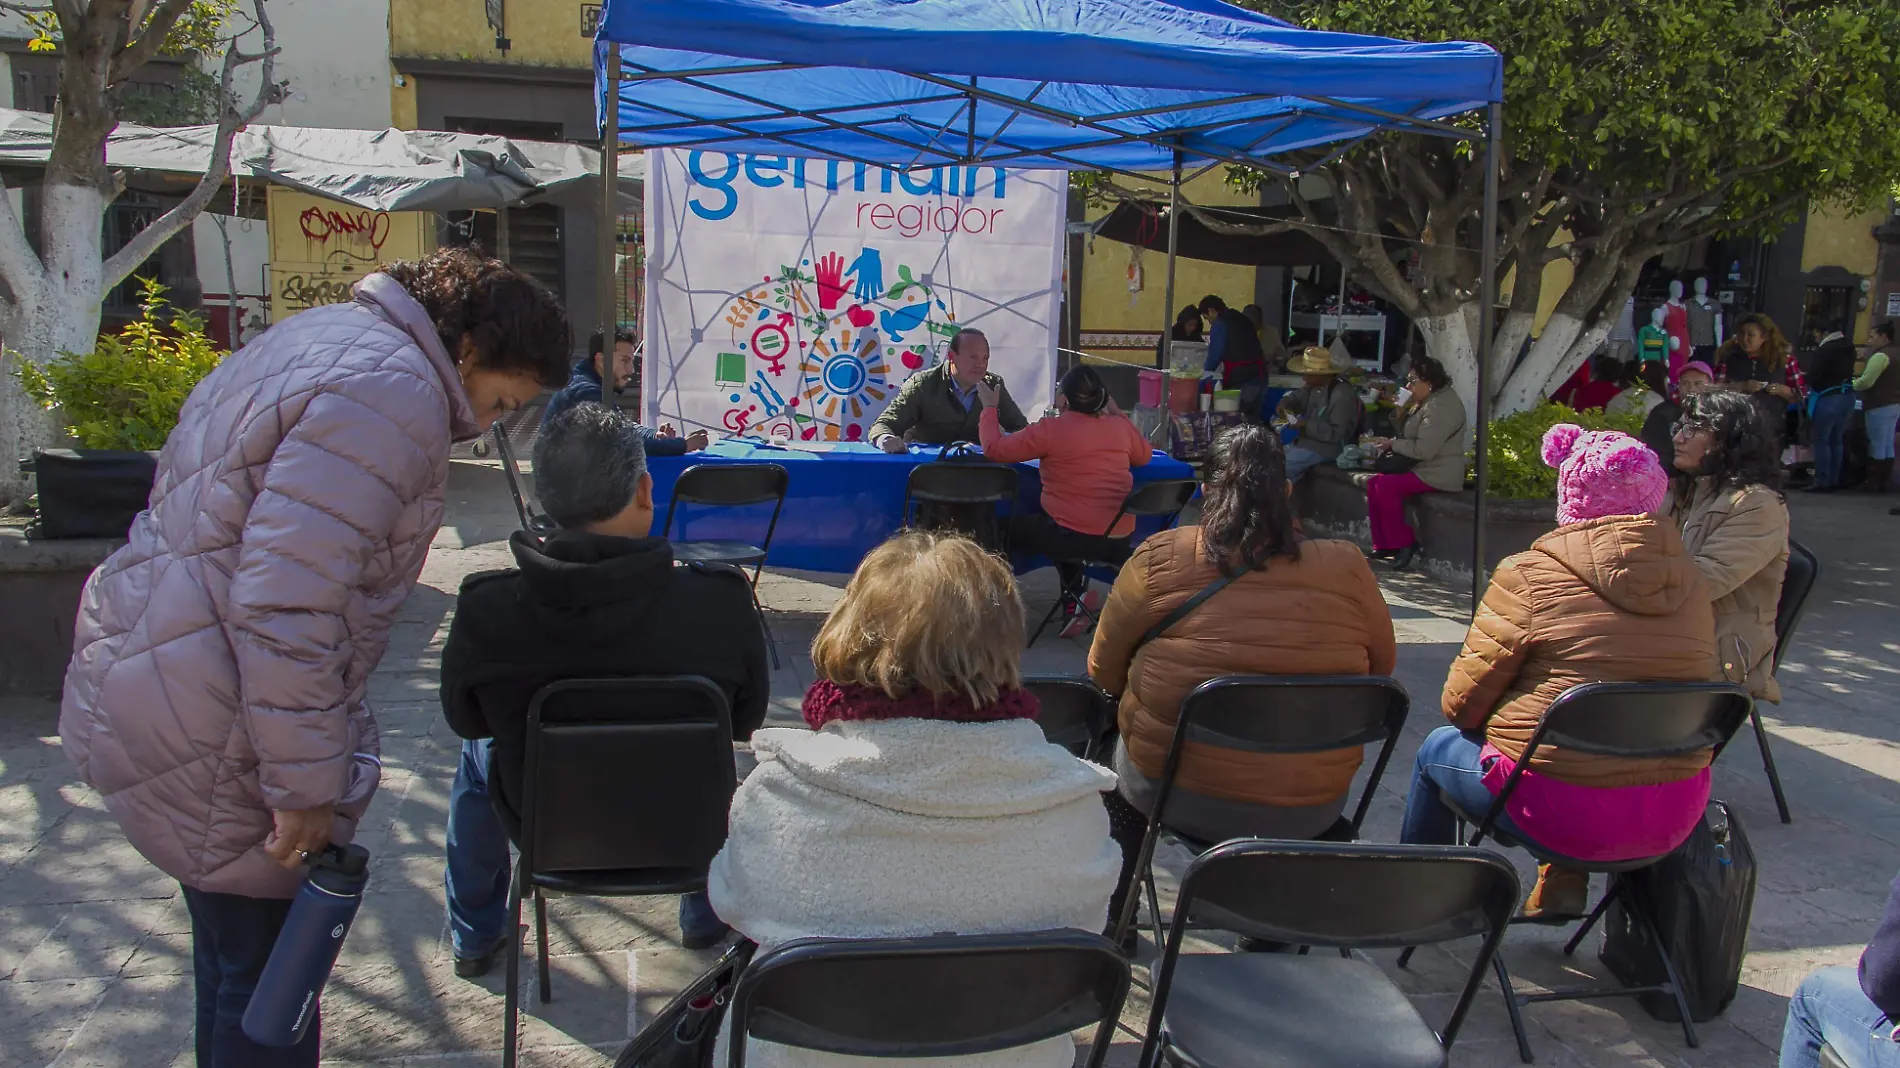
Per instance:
{"type": "Point", "coordinates": [729, 369]}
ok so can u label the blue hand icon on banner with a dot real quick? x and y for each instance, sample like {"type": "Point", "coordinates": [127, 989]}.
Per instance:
{"type": "Point", "coordinates": [869, 269]}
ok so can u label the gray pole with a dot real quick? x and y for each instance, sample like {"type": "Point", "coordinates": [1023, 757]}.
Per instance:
{"type": "Point", "coordinates": [1487, 326]}
{"type": "Point", "coordinates": [609, 238]}
{"type": "Point", "coordinates": [1174, 235]}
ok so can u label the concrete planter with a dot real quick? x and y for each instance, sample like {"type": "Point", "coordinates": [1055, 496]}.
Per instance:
{"type": "Point", "coordinates": [40, 583]}
{"type": "Point", "coordinates": [1330, 505]}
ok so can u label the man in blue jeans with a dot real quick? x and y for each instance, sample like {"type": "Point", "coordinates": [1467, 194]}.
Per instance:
{"type": "Point", "coordinates": [1830, 406]}
{"type": "Point", "coordinates": [600, 598]}
{"type": "Point", "coordinates": [1852, 1012]}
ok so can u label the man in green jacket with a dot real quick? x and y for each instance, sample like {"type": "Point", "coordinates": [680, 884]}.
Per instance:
{"type": "Point", "coordinates": [940, 405]}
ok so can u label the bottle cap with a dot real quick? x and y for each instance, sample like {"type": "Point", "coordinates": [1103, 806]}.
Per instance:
{"type": "Point", "coordinates": [341, 869]}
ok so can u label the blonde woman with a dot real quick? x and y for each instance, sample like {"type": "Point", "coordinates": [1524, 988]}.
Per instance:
{"type": "Point", "coordinates": [924, 798]}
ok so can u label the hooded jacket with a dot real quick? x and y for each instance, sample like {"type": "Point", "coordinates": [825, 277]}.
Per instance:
{"type": "Point", "coordinates": [222, 656]}
{"type": "Point", "coordinates": [912, 827]}
{"type": "Point", "coordinates": [590, 606]}
{"type": "Point", "coordinates": [1319, 615]}
{"type": "Point", "coordinates": [1616, 599]}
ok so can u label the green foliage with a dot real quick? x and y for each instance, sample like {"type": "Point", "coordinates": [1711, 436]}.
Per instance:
{"type": "Point", "coordinates": [126, 392]}
{"type": "Point", "coordinates": [196, 31]}
{"type": "Point", "coordinates": [193, 101]}
{"type": "Point", "coordinates": [1780, 97]}
{"type": "Point", "coordinates": [1516, 447]}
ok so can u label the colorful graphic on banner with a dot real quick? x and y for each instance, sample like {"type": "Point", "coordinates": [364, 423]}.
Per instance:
{"type": "Point", "coordinates": [793, 297]}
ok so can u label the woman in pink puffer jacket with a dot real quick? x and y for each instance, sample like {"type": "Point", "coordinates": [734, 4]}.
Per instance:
{"type": "Point", "coordinates": [215, 697]}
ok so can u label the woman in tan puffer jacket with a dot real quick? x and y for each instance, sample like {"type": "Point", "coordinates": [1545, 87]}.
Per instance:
{"type": "Point", "coordinates": [1297, 607]}
{"type": "Point", "coordinates": [1727, 502]}
{"type": "Point", "coordinates": [1609, 596]}
{"type": "Point", "coordinates": [217, 693]}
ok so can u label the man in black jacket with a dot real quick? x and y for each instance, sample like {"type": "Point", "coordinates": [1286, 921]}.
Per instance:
{"type": "Point", "coordinates": [599, 599]}
{"type": "Point", "coordinates": [1830, 405]}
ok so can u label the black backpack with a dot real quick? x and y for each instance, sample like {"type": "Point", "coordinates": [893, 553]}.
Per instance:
{"type": "Point", "coordinates": [1701, 897]}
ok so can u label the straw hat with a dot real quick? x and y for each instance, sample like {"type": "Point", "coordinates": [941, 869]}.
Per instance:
{"type": "Point", "coordinates": [1313, 360]}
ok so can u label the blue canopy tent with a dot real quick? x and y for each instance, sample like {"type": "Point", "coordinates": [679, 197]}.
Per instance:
{"type": "Point", "coordinates": [1127, 86]}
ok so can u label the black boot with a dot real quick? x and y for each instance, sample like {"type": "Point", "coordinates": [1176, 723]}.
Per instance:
{"type": "Point", "coordinates": [1403, 561]}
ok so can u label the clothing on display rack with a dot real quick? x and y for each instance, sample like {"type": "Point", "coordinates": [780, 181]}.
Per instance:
{"type": "Point", "coordinates": [1652, 343]}
{"type": "Point", "coordinates": [1702, 323]}
{"type": "Point", "coordinates": [1625, 328]}
{"type": "Point", "coordinates": [1676, 325]}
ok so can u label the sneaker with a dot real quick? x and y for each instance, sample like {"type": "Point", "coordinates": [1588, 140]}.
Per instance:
{"type": "Point", "coordinates": [700, 926]}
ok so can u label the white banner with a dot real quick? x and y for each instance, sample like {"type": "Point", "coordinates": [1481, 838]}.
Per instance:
{"type": "Point", "coordinates": [793, 296]}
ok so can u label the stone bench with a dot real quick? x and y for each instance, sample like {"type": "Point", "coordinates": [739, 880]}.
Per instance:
{"type": "Point", "coordinates": [1330, 505]}
{"type": "Point", "coordinates": [40, 582]}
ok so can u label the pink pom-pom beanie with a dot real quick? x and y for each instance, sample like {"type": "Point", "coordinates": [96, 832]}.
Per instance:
{"type": "Point", "coordinates": [1602, 472]}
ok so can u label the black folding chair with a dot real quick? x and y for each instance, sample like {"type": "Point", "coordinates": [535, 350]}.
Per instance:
{"type": "Point", "coordinates": [731, 486]}
{"type": "Point", "coordinates": [1278, 1010]}
{"type": "Point", "coordinates": [533, 522]}
{"type": "Point", "coordinates": [1165, 498]}
{"type": "Point", "coordinates": [964, 486]}
{"type": "Point", "coordinates": [1075, 713]}
{"type": "Point", "coordinates": [942, 996]}
{"type": "Point", "coordinates": [1632, 721]}
{"type": "Point", "coordinates": [1271, 714]}
{"type": "Point", "coordinates": [625, 789]}
{"type": "Point", "coordinates": [1796, 584]}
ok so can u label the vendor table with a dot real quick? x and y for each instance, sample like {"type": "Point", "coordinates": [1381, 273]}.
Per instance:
{"type": "Point", "coordinates": [839, 504]}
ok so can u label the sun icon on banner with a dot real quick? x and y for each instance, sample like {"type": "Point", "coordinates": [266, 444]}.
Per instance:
{"type": "Point", "coordinates": [847, 378]}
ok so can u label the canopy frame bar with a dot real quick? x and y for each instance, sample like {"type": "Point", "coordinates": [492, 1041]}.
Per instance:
{"type": "Point", "coordinates": [1347, 113]}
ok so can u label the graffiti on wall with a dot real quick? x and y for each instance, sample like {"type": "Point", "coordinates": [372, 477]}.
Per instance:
{"type": "Point", "coordinates": [320, 247]}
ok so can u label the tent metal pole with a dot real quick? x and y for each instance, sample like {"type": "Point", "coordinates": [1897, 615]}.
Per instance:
{"type": "Point", "coordinates": [1487, 327]}
{"type": "Point", "coordinates": [1174, 236]}
{"type": "Point", "coordinates": [609, 238]}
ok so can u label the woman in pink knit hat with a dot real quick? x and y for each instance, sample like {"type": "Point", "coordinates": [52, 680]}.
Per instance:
{"type": "Point", "coordinates": [1609, 596]}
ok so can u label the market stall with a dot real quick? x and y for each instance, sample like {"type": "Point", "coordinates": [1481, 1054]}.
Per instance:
{"type": "Point", "coordinates": [1127, 86]}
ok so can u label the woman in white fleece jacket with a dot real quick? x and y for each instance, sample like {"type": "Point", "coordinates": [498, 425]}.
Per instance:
{"type": "Point", "coordinates": [924, 799]}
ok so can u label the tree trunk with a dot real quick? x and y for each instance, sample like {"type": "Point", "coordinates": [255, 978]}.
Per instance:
{"type": "Point", "coordinates": [55, 311]}
{"type": "Point", "coordinates": [1452, 340]}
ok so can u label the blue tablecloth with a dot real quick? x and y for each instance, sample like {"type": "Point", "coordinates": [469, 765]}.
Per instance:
{"type": "Point", "coordinates": [839, 505]}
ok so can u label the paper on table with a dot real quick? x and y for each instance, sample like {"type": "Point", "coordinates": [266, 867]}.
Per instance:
{"type": "Point", "coordinates": [809, 446]}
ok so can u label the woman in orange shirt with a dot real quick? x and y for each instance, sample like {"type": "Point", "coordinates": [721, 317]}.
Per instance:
{"type": "Point", "coordinates": [1088, 452]}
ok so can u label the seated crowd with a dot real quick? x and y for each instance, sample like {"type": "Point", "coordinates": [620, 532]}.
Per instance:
{"type": "Point", "coordinates": [921, 796]}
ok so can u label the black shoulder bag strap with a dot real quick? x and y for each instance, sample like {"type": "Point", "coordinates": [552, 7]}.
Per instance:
{"type": "Point", "coordinates": [1182, 610]}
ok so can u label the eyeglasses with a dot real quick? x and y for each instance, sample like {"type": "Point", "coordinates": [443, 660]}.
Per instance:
{"type": "Point", "coordinates": [1685, 428]}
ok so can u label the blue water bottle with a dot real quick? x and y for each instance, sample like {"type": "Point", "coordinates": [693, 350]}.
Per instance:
{"type": "Point", "coordinates": [287, 994]}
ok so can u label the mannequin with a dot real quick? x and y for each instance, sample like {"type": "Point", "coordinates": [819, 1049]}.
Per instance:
{"type": "Point", "coordinates": [1653, 342]}
{"type": "Point", "coordinates": [1676, 325]}
{"type": "Point", "coordinates": [1705, 323]}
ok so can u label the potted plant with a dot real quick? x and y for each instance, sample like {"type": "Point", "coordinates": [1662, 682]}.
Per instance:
{"type": "Point", "coordinates": [118, 403]}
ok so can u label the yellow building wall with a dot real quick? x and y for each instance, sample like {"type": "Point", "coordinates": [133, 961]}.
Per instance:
{"type": "Point", "coordinates": [543, 33]}
{"type": "Point", "coordinates": [1107, 305]}
{"type": "Point", "coordinates": [402, 102]}
{"type": "Point", "coordinates": [1841, 240]}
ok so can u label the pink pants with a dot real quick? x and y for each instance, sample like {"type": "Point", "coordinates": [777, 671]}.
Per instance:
{"type": "Point", "coordinates": [1385, 506]}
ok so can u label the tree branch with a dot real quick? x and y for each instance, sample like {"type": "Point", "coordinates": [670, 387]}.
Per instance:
{"type": "Point", "coordinates": [231, 119]}
{"type": "Point", "coordinates": [19, 266]}
{"type": "Point", "coordinates": [142, 49]}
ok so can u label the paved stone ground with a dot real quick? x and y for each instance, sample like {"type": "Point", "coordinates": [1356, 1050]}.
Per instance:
{"type": "Point", "coordinates": [94, 943]}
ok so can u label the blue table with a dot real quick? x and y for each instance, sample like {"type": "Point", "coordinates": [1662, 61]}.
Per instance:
{"type": "Point", "coordinates": [839, 504]}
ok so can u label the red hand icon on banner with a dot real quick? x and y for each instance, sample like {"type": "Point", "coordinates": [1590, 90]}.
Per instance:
{"type": "Point", "coordinates": [830, 280]}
